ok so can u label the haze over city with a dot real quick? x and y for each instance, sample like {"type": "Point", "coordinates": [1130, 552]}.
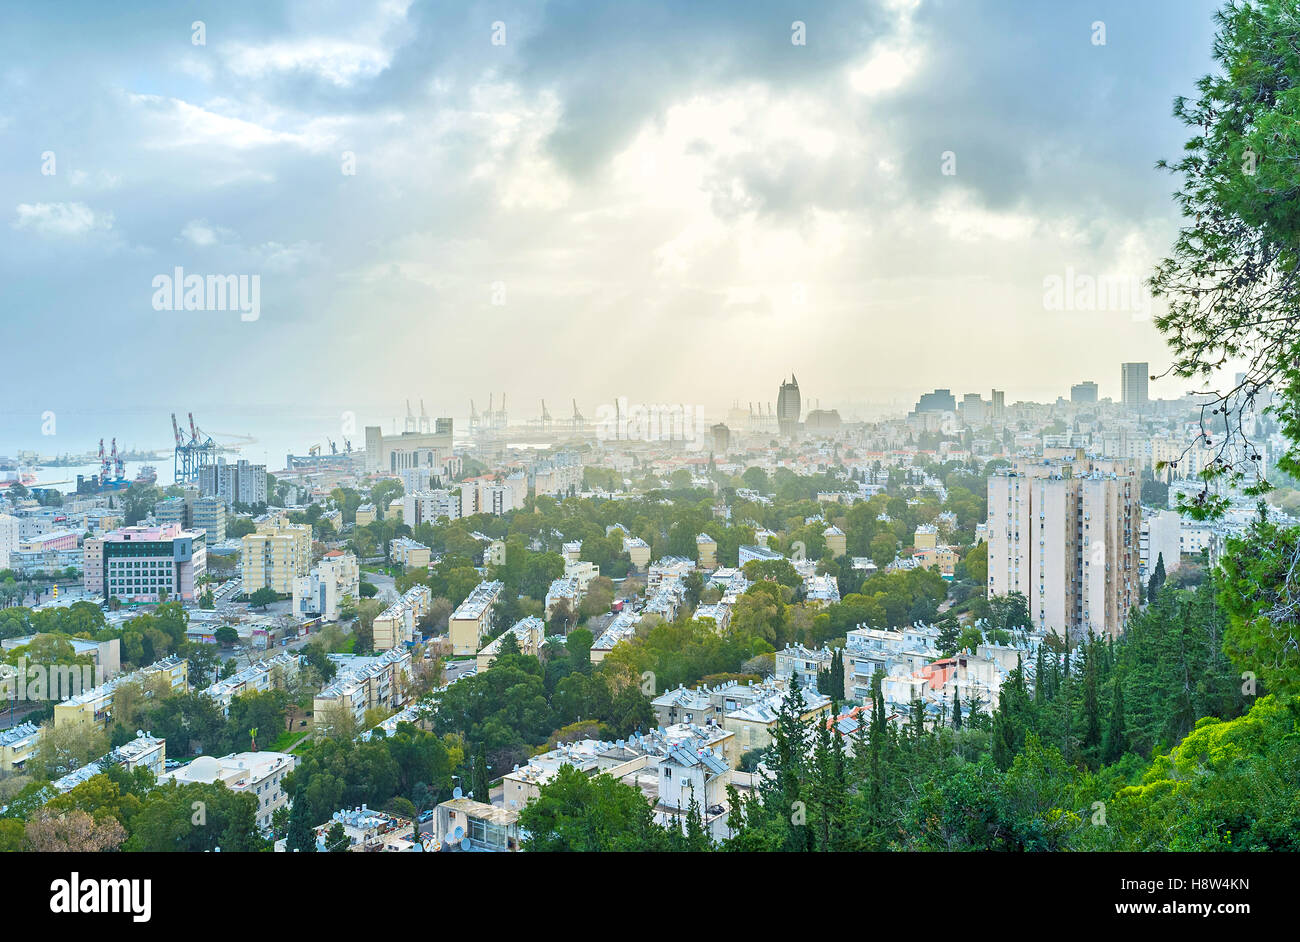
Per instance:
{"type": "Point", "coordinates": [575, 212]}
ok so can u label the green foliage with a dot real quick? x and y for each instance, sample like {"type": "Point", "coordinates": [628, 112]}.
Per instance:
{"type": "Point", "coordinates": [578, 812]}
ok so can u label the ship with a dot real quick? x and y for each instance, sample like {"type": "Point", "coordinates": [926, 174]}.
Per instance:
{"type": "Point", "coordinates": [148, 475]}
{"type": "Point", "coordinates": [10, 477]}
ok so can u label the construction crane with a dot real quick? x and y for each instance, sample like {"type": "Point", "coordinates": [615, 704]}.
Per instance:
{"type": "Point", "coordinates": [579, 421]}
{"type": "Point", "coordinates": [546, 418]}
{"type": "Point", "coordinates": [425, 427]}
{"type": "Point", "coordinates": [191, 455]}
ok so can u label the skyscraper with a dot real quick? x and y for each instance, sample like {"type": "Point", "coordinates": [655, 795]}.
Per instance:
{"type": "Point", "coordinates": [1133, 383]}
{"type": "Point", "coordinates": [788, 408]}
{"type": "Point", "coordinates": [1085, 392]}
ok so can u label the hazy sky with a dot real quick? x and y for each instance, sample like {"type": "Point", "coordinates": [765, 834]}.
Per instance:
{"type": "Point", "coordinates": [677, 202]}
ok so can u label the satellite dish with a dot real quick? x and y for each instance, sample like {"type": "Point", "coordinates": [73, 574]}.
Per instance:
{"type": "Point", "coordinates": [458, 833]}
{"type": "Point", "coordinates": [464, 845]}
{"type": "Point", "coordinates": [456, 792]}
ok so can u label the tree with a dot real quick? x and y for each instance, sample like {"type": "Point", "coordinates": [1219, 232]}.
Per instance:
{"type": "Point", "coordinates": [336, 839]}
{"type": "Point", "coordinates": [577, 812]}
{"type": "Point", "coordinates": [1232, 278]}
{"type": "Point", "coordinates": [72, 832]}
{"type": "Point", "coordinates": [480, 790]}
{"type": "Point", "coordinates": [1157, 578]}
{"type": "Point", "coordinates": [263, 597]}
{"type": "Point", "coordinates": [301, 836]}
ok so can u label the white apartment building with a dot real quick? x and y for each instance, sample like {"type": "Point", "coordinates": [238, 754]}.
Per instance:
{"type": "Point", "coordinates": [1065, 534]}
{"type": "Point", "coordinates": [9, 530]}
{"type": "Point", "coordinates": [399, 624]}
{"type": "Point", "coordinates": [428, 506]}
{"type": "Point", "coordinates": [319, 592]}
{"type": "Point", "coordinates": [258, 773]}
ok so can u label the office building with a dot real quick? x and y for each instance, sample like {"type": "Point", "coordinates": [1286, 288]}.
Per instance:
{"type": "Point", "coordinates": [1133, 382]}
{"type": "Point", "coordinates": [788, 408]}
{"type": "Point", "coordinates": [414, 448]}
{"type": "Point", "coordinates": [145, 564]}
{"type": "Point", "coordinates": [1084, 393]}
{"type": "Point", "coordinates": [941, 400]}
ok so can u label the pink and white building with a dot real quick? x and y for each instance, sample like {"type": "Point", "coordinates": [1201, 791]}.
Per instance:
{"type": "Point", "coordinates": [141, 564]}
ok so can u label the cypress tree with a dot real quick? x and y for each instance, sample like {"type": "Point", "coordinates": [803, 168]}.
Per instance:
{"type": "Point", "coordinates": [956, 708]}
{"type": "Point", "coordinates": [481, 787]}
{"type": "Point", "coordinates": [1157, 579]}
{"type": "Point", "coordinates": [1116, 734]}
{"type": "Point", "coordinates": [301, 837]}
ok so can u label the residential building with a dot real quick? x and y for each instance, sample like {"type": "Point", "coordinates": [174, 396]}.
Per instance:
{"type": "Point", "coordinates": [409, 554]}
{"type": "Point", "coordinates": [275, 555]}
{"type": "Point", "coordinates": [473, 618]}
{"type": "Point", "coordinates": [429, 506]}
{"type": "Point", "coordinates": [17, 745]}
{"type": "Point", "coordinates": [364, 682]}
{"type": "Point", "coordinates": [96, 705]}
{"type": "Point", "coordinates": [529, 633]}
{"type": "Point", "coordinates": [259, 677]}
{"type": "Point", "coordinates": [320, 592]}
{"type": "Point", "coordinates": [706, 548]}
{"type": "Point", "coordinates": [465, 824]}
{"type": "Point", "coordinates": [257, 773]}
{"type": "Point", "coordinates": [399, 624]}
{"type": "Point", "coordinates": [753, 725]}
{"type": "Point", "coordinates": [238, 483]}
{"type": "Point", "coordinates": [803, 664]}
{"type": "Point", "coordinates": [638, 551]}
{"type": "Point", "coordinates": [1065, 534]}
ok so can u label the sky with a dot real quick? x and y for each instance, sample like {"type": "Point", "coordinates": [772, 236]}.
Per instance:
{"type": "Point", "coordinates": [673, 202]}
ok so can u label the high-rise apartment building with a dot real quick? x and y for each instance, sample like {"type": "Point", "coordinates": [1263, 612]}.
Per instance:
{"type": "Point", "coordinates": [999, 403]}
{"type": "Point", "coordinates": [1065, 534]}
{"type": "Point", "coordinates": [1133, 384]}
{"type": "Point", "coordinates": [275, 556]}
{"type": "Point", "coordinates": [238, 483]}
